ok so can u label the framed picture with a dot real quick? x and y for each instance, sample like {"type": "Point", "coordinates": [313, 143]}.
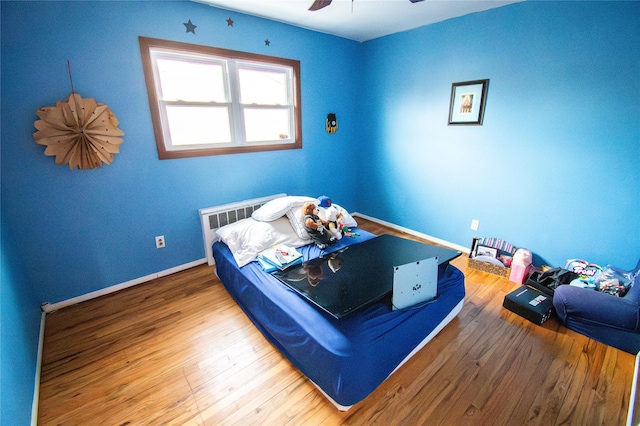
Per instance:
{"type": "Point", "coordinates": [486, 251]}
{"type": "Point", "coordinates": [467, 102]}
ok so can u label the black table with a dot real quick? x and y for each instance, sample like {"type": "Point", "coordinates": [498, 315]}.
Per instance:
{"type": "Point", "coordinates": [342, 282]}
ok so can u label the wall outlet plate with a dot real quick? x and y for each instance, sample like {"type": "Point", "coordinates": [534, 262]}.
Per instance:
{"type": "Point", "coordinates": [475, 223]}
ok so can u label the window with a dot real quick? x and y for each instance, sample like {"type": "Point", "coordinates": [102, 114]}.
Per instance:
{"type": "Point", "coordinates": [210, 101]}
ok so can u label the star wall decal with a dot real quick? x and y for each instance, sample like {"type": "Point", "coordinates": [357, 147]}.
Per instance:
{"type": "Point", "coordinates": [229, 22]}
{"type": "Point", "coordinates": [267, 42]}
{"type": "Point", "coordinates": [190, 27]}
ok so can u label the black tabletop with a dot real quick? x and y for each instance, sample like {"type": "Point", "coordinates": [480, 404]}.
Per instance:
{"type": "Point", "coordinates": [342, 282]}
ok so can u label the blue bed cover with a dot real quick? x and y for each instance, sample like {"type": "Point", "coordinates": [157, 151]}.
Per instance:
{"type": "Point", "coordinates": [347, 358]}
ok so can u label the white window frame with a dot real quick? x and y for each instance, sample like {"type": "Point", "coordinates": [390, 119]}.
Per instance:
{"type": "Point", "coordinates": [231, 61]}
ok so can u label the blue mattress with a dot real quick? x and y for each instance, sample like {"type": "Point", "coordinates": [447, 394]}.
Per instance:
{"type": "Point", "coordinates": [346, 358]}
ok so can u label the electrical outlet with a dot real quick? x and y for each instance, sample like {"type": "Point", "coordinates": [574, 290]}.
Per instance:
{"type": "Point", "coordinates": [160, 241]}
{"type": "Point", "coordinates": [475, 223]}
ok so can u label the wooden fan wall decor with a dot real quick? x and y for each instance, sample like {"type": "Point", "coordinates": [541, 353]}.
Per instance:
{"type": "Point", "coordinates": [79, 132]}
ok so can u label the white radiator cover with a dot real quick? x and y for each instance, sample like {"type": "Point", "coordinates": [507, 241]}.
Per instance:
{"type": "Point", "coordinates": [212, 218]}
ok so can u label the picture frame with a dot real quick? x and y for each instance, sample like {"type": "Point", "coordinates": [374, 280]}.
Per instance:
{"type": "Point", "coordinates": [486, 251]}
{"type": "Point", "coordinates": [468, 99]}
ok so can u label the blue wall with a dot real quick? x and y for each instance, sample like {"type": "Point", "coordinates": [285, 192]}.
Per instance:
{"type": "Point", "coordinates": [81, 231]}
{"type": "Point", "coordinates": [554, 167]}
{"type": "Point", "coordinates": [19, 325]}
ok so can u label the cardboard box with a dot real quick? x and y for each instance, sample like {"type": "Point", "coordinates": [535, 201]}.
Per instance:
{"type": "Point", "coordinates": [529, 303]}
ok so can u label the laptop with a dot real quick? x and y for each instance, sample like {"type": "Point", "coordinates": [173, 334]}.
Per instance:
{"type": "Point", "coordinates": [415, 284]}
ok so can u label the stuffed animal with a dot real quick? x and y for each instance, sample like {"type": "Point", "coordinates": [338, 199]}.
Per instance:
{"type": "Point", "coordinates": [333, 217]}
{"type": "Point", "coordinates": [340, 227]}
{"type": "Point", "coordinates": [345, 230]}
{"type": "Point", "coordinates": [316, 227]}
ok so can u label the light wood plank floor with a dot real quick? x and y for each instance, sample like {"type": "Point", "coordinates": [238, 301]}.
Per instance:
{"type": "Point", "coordinates": [178, 350]}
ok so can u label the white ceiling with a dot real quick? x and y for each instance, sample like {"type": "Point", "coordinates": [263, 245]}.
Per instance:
{"type": "Point", "coordinates": [359, 20]}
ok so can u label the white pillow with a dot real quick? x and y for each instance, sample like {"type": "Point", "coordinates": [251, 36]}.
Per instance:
{"type": "Point", "coordinates": [248, 237]}
{"type": "Point", "coordinates": [278, 207]}
{"type": "Point", "coordinates": [346, 217]}
{"type": "Point", "coordinates": [296, 218]}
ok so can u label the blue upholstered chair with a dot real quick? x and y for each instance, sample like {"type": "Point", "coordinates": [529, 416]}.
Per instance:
{"type": "Point", "coordinates": [612, 320]}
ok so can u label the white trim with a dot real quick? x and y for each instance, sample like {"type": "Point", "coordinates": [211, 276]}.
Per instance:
{"type": "Point", "coordinates": [632, 418]}
{"type": "Point", "coordinates": [48, 308]}
{"type": "Point", "coordinates": [36, 388]}
{"type": "Point", "coordinates": [230, 80]}
{"type": "Point", "coordinates": [414, 233]}
{"type": "Point", "coordinates": [51, 307]}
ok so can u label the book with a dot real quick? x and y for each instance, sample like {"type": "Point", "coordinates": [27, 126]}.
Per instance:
{"type": "Point", "coordinates": [280, 256]}
{"type": "Point", "coordinates": [269, 267]}
{"type": "Point", "coordinates": [266, 266]}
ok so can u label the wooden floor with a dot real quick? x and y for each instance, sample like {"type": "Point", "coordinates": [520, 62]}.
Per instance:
{"type": "Point", "coordinates": [178, 350]}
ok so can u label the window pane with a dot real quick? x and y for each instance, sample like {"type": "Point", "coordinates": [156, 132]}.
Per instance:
{"type": "Point", "coordinates": [266, 124]}
{"type": "Point", "coordinates": [198, 125]}
{"type": "Point", "coordinates": [262, 87]}
{"type": "Point", "coordinates": [210, 101]}
{"type": "Point", "coordinates": [191, 81]}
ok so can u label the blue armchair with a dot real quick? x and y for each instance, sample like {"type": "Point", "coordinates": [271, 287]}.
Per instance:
{"type": "Point", "coordinates": [612, 320]}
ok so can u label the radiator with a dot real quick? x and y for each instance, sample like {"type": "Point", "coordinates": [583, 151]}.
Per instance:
{"type": "Point", "coordinates": [212, 218]}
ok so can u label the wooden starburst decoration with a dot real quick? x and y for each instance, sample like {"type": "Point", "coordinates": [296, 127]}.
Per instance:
{"type": "Point", "coordinates": [79, 132]}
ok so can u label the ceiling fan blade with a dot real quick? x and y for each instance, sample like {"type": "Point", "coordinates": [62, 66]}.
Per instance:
{"type": "Point", "coordinates": [319, 4]}
{"type": "Point", "coordinates": [415, 1]}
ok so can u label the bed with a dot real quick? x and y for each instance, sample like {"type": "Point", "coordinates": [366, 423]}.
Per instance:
{"type": "Point", "coordinates": [348, 358]}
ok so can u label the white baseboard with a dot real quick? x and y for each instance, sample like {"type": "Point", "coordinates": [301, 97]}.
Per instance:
{"type": "Point", "coordinates": [633, 414]}
{"type": "Point", "coordinates": [51, 307]}
{"type": "Point", "coordinates": [415, 233]}
{"type": "Point", "coordinates": [36, 388]}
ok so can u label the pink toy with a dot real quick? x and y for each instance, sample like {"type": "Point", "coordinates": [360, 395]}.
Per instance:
{"type": "Point", "coordinates": [520, 266]}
